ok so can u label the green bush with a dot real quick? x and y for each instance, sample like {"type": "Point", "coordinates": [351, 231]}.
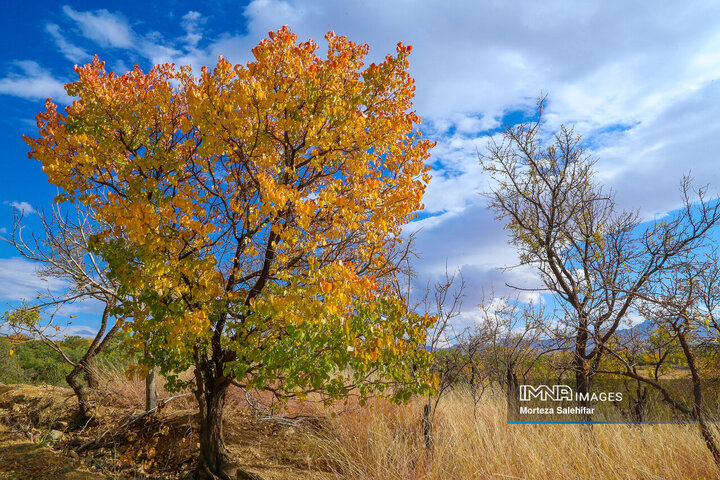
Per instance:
{"type": "Point", "coordinates": [34, 362]}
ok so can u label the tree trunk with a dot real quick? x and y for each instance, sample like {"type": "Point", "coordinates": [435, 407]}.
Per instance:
{"type": "Point", "coordinates": [639, 404]}
{"type": "Point", "coordinates": [581, 367]}
{"type": "Point", "coordinates": [150, 391]}
{"type": "Point", "coordinates": [91, 373]}
{"type": "Point", "coordinates": [710, 441]}
{"type": "Point", "coordinates": [582, 386]}
{"type": "Point", "coordinates": [706, 433]}
{"type": "Point", "coordinates": [428, 426]}
{"type": "Point", "coordinates": [81, 392]}
{"type": "Point", "coordinates": [213, 454]}
{"type": "Point", "coordinates": [512, 393]}
{"type": "Point", "coordinates": [213, 461]}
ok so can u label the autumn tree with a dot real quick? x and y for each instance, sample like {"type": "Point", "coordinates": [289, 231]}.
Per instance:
{"type": "Point", "coordinates": [451, 353]}
{"type": "Point", "coordinates": [593, 257]}
{"type": "Point", "coordinates": [252, 211]}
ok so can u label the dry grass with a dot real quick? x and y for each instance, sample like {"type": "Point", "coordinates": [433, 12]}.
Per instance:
{"type": "Point", "coordinates": [378, 441]}
{"type": "Point", "coordinates": [385, 442]}
{"type": "Point", "coordinates": [130, 393]}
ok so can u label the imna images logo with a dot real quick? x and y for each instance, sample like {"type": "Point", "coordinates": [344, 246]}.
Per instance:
{"type": "Point", "coordinates": [559, 393]}
{"type": "Point", "coordinates": [556, 393]}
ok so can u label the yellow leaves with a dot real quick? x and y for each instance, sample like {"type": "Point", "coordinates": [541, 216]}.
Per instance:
{"type": "Point", "coordinates": [317, 150]}
{"type": "Point", "coordinates": [135, 371]}
{"type": "Point", "coordinates": [435, 381]}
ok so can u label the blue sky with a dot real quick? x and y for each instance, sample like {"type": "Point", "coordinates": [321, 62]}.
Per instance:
{"type": "Point", "coordinates": [637, 79]}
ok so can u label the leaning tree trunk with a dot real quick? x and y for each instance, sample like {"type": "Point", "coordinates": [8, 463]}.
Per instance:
{"type": "Point", "coordinates": [81, 392]}
{"type": "Point", "coordinates": [705, 432]}
{"type": "Point", "coordinates": [709, 438]}
{"type": "Point", "coordinates": [91, 374]}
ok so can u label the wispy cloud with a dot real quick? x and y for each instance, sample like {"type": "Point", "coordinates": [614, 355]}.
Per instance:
{"type": "Point", "coordinates": [20, 281]}
{"type": "Point", "coordinates": [105, 28]}
{"type": "Point", "coordinates": [33, 83]}
{"type": "Point", "coordinates": [191, 22]}
{"type": "Point", "coordinates": [24, 207]}
{"type": "Point", "coordinates": [78, 330]}
{"type": "Point", "coordinates": [70, 51]}
{"type": "Point", "coordinates": [112, 30]}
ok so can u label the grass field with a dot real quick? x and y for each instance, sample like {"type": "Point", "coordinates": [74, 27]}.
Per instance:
{"type": "Point", "coordinates": [378, 441]}
{"type": "Point", "coordinates": [385, 442]}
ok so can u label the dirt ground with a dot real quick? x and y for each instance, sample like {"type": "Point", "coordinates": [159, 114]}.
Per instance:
{"type": "Point", "coordinates": [25, 454]}
{"type": "Point", "coordinates": [39, 439]}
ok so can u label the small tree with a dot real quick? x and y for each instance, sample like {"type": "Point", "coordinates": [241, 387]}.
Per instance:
{"type": "Point", "coordinates": [62, 252]}
{"type": "Point", "coordinates": [251, 213]}
{"type": "Point", "coordinates": [512, 339]}
{"type": "Point", "coordinates": [684, 303]}
{"type": "Point", "coordinates": [452, 353]}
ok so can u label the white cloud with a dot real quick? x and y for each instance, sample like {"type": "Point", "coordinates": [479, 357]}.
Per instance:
{"type": "Point", "coordinates": [77, 330]}
{"type": "Point", "coordinates": [639, 81]}
{"type": "Point", "coordinates": [105, 28]}
{"type": "Point", "coordinates": [191, 22]}
{"type": "Point", "coordinates": [108, 29]}
{"type": "Point", "coordinates": [19, 280]}
{"type": "Point", "coordinates": [24, 207]}
{"type": "Point", "coordinates": [70, 51]}
{"type": "Point", "coordinates": [34, 83]}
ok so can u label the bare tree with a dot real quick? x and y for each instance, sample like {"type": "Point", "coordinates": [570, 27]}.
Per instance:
{"type": "Point", "coordinates": [511, 341]}
{"type": "Point", "coordinates": [452, 351]}
{"type": "Point", "coordinates": [684, 303]}
{"type": "Point", "coordinates": [64, 252]}
{"type": "Point", "coordinates": [569, 228]}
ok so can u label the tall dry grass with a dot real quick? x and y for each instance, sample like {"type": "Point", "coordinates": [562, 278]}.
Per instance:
{"type": "Point", "coordinates": [385, 442]}
{"type": "Point", "coordinates": [130, 392]}
{"type": "Point", "coordinates": [382, 441]}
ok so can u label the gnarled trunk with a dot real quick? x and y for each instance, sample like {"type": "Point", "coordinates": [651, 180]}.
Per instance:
{"type": "Point", "coordinates": [91, 374]}
{"type": "Point", "coordinates": [81, 392]}
{"type": "Point", "coordinates": [211, 388]}
{"type": "Point", "coordinates": [213, 462]}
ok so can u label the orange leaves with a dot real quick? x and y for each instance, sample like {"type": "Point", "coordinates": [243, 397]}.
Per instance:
{"type": "Point", "coordinates": [326, 287]}
{"type": "Point", "coordinates": [262, 195]}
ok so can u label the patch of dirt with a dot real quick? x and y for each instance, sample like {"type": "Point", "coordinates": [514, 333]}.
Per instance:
{"type": "Point", "coordinates": [40, 439]}
{"type": "Point", "coordinates": [22, 459]}
{"type": "Point", "coordinates": [272, 451]}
